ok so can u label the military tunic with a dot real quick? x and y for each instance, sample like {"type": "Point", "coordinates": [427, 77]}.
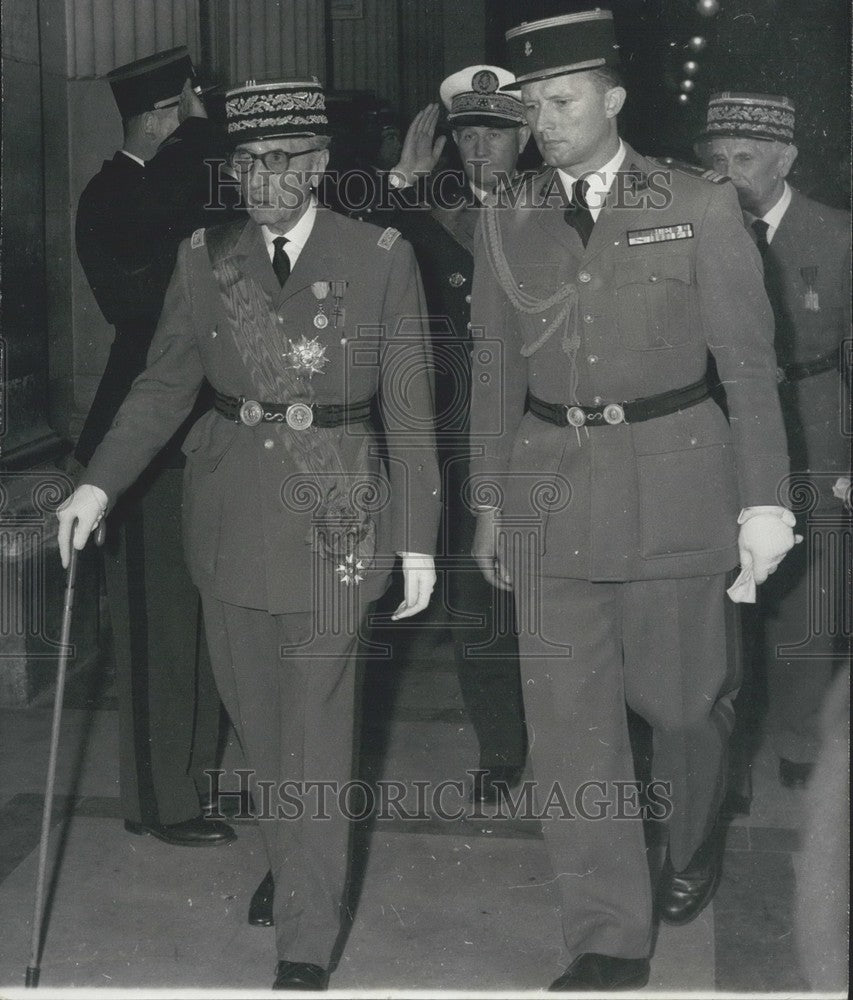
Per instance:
{"type": "Point", "coordinates": [802, 606]}
{"type": "Point", "coordinates": [283, 618]}
{"type": "Point", "coordinates": [620, 536]}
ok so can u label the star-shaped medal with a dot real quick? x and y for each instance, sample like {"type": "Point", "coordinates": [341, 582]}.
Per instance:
{"type": "Point", "coordinates": [307, 356]}
{"type": "Point", "coordinates": [348, 570]}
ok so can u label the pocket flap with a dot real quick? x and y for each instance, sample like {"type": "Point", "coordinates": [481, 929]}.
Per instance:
{"type": "Point", "coordinates": [652, 268]}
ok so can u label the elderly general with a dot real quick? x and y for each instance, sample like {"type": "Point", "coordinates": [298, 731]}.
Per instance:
{"type": "Point", "coordinates": [305, 323]}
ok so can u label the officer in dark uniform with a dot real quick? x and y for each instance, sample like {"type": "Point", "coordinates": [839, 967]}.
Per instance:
{"type": "Point", "coordinates": [611, 487]}
{"type": "Point", "coordinates": [805, 247]}
{"type": "Point", "coordinates": [305, 323]}
{"type": "Point", "coordinates": [130, 219]}
{"type": "Point", "coordinates": [490, 133]}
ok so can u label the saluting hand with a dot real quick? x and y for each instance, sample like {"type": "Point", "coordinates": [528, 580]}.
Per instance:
{"type": "Point", "coordinates": [190, 104]}
{"type": "Point", "coordinates": [489, 549]}
{"type": "Point", "coordinates": [421, 150]}
{"type": "Point", "coordinates": [418, 583]}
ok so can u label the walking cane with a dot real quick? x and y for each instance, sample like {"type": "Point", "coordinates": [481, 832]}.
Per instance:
{"type": "Point", "coordinates": [33, 969]}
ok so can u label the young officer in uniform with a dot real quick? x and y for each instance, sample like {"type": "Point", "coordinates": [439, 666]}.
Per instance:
{"type": "Point", "coordinates": [130, 220]}
{"type": "Point", "coordinates": [298, 318]}
{"type": "Point", "coordinates": [490, 133]}
{"type": "Point", "coordinates": [619, 486]}
{"type": "Point", "coordinates": [806, 251]}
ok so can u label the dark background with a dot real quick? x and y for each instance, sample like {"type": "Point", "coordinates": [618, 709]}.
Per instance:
{"type": "Point", "coordinates": [799, 48]}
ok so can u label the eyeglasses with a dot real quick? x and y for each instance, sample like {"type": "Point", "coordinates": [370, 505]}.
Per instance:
{"type": "Point", "coordinates": [277, 161]}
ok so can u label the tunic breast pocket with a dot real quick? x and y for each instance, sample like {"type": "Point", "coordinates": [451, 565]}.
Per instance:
{"type": "Point", "coordinates": [655, 301]}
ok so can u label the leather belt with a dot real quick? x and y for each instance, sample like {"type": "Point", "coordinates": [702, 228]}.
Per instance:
{"type": "Point", "coordinates": [633, 411]}
{"type": "Point", "coordinates": [798, 370]}
{"type": "Point", "coordinates": [298, 416]}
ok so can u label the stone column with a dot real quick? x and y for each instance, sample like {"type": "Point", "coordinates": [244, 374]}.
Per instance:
{"type": "Point", "coordinates": [25, 433]}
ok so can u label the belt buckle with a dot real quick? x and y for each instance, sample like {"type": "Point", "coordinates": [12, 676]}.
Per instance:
{"type": "Point", "coordinates": [299, 416]}
{"type": "Point", "coordinates": [575, 416]}
{"type": "Point", "coordinates": [251, 413]}
{"type": "Point", "coordinates": [614, 414]}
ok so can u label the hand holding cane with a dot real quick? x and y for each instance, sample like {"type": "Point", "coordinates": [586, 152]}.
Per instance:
{"type": "Point", "coordinates": [33, 969]}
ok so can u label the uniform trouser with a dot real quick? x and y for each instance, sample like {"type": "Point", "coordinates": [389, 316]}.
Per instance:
{"type": "Point", "coordinates": [290, 692]}
{"type": "Point", "coordinates": [486, 651]}
{"type": "Point", "coordinates": [587, 649]}
{"type": "Point", "coordinates": [804, 613]}
{"type": "Point", "coordinates": [169, 710]}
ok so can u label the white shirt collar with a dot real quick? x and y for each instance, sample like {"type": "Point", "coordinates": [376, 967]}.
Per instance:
{"type": "Point", "coordinates": [297, 237]}
{"type": "Point", "coordinates": [133, 157]}
{"type": "Point", "coordinates": [773, 218]}
{"type": "Point", "coordinates": [600, 181]}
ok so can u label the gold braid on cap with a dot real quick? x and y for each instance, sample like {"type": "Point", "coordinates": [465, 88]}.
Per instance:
{"type": "Point", "coordinates": [567, 294]}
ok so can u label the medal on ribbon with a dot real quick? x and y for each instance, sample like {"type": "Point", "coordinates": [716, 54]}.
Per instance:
{"type": "Point", "coordinates": [320, 290]}
{"type": "Point", "coordinates": [338, 289]}
{"type": "Point", "coordinates": [810, 298]}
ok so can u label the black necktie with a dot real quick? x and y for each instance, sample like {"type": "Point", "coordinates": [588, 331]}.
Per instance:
{"type": "Point", "coordinates": [760, 227]}
{"type": "Point", "coordinates": [280, 260]}
{"type": "Point", "coordinates": [578, 215]}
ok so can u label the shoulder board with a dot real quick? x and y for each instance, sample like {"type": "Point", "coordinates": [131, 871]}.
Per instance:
{"type": "Point", "coordinates": [197, 239]}
{"type": "Point", "coordinates": [388, 238]}
{"type": "Point", "coordinates": [692, 169]}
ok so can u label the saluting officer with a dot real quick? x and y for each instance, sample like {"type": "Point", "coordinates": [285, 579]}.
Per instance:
{"type": "Point", "coordinates": [298, 318]}
{"type": "Point", "coordinates": [130, 219]}
{"type": "Point", "coordinates": [806, 251]}
{"type": "Point", "coordinates": [618, 488]}
{"type": "Point", "coordinates": [489, 130]}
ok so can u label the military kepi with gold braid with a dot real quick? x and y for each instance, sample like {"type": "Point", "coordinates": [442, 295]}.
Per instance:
{"type": "Point", "coordinates": [280, 109]}
{"type": "Point", "coordinates": [750, 116]}
{"type": "Point", "coordinates": [554, 46]}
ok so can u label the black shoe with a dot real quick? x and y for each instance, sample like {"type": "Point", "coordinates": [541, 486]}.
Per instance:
{"type": "Point", "coordinates": [198, 832]}
{"type": "Point", "coordinates": [260, 908]}
{"type": "Point", "coordinates": [300, 976]}
{"type": "Point", "coordinates": [484, 792]}
{"type": "Point", "coordinates": [683, 895]}
{"type": "Point", "coordinates": [230, 805]}
{"type": "Point", "coordinates": [793, 774]}
{"type": "Point", "coordinates": [591, 971]}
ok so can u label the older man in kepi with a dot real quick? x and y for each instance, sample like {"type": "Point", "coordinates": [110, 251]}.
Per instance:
{"type": "Point", "coordinates": [617, 485]}
{"type": "Point", "coordinates": [299, 319]}
{"type": "Point", "coordinates": [806, 251]}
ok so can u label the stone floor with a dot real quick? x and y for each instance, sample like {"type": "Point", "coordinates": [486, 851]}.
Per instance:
{"type": "Point", "coordinates": [443, 906]}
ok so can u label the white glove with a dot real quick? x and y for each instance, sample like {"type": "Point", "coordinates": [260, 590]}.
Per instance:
{"type": "Point", "coordinates": [766, 536]}
{"type": "Point", "coordinates": [87, 505]}
{"type": "Point", "coordinates": [418, 582]}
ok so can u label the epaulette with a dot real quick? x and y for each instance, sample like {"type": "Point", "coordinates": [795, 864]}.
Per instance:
{"type": "Point", "coordinates": [388, 238]}
{"type": "Point", "coordinates": [692, 169]}
{"type": "Point", "coordinates": [197, 239]}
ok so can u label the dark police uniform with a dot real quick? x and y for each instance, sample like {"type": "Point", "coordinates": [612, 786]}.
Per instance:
{"type": "Point", "coordinates": [622, 534]}
{"type": "Point", "coordinates": [130, 220]}
{"type": "Point", "coordinates": [282, 607]}
{"type": "Point", "coordinates": [480, 617]}
{"type": "Point", "coordinates": [804, 606]}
